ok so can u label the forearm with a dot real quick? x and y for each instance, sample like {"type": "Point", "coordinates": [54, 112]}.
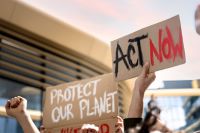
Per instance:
{"type": "Point", "coordinates": [27, 124]}
{"type": "Point", "coordinates": [136, 107]}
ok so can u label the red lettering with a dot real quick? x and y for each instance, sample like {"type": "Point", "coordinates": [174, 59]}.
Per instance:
{"type": "Point", "coordinates": [76, 130]}
{"type": "Point", "coordinates": [63, 130]}
{"type": "Point", "coordinates": [104, 128]}
{"type": "Point", "coordinates": [178, 48]}
{"type": "Point", "coordinates": [167, 47]}
{"type": "Point", "coordinates": [153, 50]}
{"type": "Point", "coordinates": [67, 130]}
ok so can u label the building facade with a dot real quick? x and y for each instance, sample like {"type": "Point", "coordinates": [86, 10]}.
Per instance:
{"type": "Point", "coordinates": [179, 112]}
{"type": "Point", "coordinates": [38, 51]}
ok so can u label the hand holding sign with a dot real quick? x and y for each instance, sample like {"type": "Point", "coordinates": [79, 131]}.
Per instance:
{"type": "Point", "coordinates": [141, 84]}
{"type": "Point", "coordinates": [145, 78]}
{"type": "Point", "coordinates": [160, 44]}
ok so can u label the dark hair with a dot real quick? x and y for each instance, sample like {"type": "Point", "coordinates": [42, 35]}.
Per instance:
{"type": "Point", "coordinates": [147, 124]}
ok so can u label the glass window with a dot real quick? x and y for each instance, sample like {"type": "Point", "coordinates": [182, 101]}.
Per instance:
{"type": "Point", "coordinates": [9, 89]}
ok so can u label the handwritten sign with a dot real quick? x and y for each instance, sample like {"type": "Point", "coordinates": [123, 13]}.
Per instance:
{"type": "Point", "coordinates": [105, 126]}
{"type": "Point", "coordinates": [160, 44]}
{"type": "Point", "coordinates": [81, 102]}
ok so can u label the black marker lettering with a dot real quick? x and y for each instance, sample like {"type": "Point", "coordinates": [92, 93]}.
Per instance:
{"type": "Point", "coordinates": [138, 39]}
{"type": "Point", "coordinates": [118, 59]}
{"type": "Point", "coordinates": [131, 48]}
{"type": "Point", "coordinates": [130, 51]}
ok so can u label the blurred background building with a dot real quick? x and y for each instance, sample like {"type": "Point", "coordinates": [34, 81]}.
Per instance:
{"type": "Point", "coordinates": [38, 51]}
{"type": "Point", "coordinates": [179, 111]}
{"type": "Point", "coordinates": [191, 106]}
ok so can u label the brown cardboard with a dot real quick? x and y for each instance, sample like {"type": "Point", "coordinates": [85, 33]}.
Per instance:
{"type": "Point", "coordinates": [106, 90]}
{"type": "Point", "coordinates": [160, 44]}
{"type": "Point", "coordinates": [105, 126]}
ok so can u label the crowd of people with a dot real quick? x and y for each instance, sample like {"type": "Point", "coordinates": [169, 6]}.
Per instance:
{"type": "Point", "coordinates": [134, 123]}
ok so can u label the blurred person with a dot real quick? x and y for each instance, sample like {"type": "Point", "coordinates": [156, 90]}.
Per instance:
{"type": "Point", "coordinates": [17, 107]}
{"type": "Point", "coordinates": [153, 106]}
{"type": "Point", "coordinates": [152, 103]}
{"type": "Point", "coordinates": [136, 107]}
{"type": "Point", "coordinates": [197, 19]}
{"type": "Point", "coordinates": [160, 126]}
{"type": "Point", "coordinates": [152, 124]}
{"type": "Point", "coordinates": [89, 128]}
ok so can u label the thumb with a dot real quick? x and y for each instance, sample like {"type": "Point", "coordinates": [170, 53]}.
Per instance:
{"type": "Point", "coordinates": [151, 78]}
{"type": "Point", "coordinates": [145, 70]}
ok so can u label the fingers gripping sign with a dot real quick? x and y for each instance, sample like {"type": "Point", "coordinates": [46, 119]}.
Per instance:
{"type": "Point", "coordinates": [141, 84]}
{"type": "Point", "coordinates": [145, 78]}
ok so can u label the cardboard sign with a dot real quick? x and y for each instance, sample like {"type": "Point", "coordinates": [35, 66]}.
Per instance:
{"type": "Point", "coordinates": [81, 102]}
{"type": "Point", "coordinates": [160, 44]}
{"type": "Point", "coordinates": [105, 126]}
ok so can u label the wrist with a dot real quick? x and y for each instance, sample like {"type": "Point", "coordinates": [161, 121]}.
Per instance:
{"type": "Point", "coordinates": [138, 92]}
{"type": "Point", "coordinates": [22, 116]}
{"type": "Point", "coordinates": [136, 107]}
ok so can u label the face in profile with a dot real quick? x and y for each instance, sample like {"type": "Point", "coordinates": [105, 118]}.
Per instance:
{"type": "Point", "coordinates": [197, 19]}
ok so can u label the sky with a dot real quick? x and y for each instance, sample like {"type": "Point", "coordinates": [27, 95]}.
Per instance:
{"type": "Point", "coordinates": [111, 19]}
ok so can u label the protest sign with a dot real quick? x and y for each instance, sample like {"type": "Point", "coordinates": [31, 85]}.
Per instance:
{"type": "Point", "coordinates": [105, 126]}
{"type": "Point", "coordinates": [160, 44]}
{"type": "Point", "coordinates": [81, 102]}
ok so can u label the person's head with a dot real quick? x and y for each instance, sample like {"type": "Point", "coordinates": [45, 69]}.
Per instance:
{"type": "Point", "coordinates": [148, 123]}
{"type": "Point", "coordinates": [89, 128]}
{"type": "Point", "coordinates": [197, 19]}
{"type": "Point", "coordinates": [153, 97]}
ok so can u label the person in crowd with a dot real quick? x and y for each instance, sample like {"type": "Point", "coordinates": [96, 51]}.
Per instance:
{"type": "Point", "coordinates": [133, 123]}
{"type": "Point", "coordinates": [134, 117]}
{"type": "Point", "coordinates": [152, 123]}
{"type": "Point", "coordinates": [153, 106]}
{"type": "Point", "coordinates": [89, 128]}
{"type": "Point", "coordinates": [197, 19]}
